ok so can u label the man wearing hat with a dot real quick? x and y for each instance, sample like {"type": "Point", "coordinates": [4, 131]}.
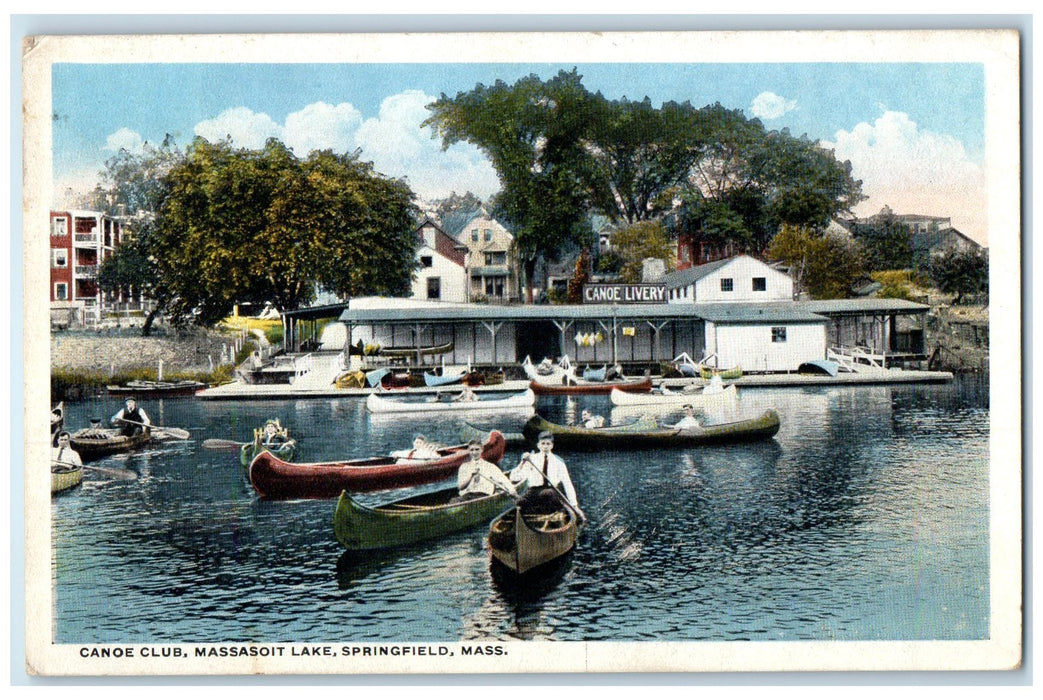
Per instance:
{"type": "Point", "coordinates": [547, 477]}
{"type": "Point", "coordinates": [131, 419]}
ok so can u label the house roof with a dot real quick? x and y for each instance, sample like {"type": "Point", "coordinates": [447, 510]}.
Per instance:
{"type": "Point", "coordinates": [683, 278]}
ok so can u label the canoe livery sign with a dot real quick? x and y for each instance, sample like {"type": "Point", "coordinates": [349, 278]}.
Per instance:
{"type": "Point", "coordinates": [624, 294]}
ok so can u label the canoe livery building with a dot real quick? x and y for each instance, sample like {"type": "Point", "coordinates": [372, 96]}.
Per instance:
{"type": "Point", "coordinates": [735, 312]}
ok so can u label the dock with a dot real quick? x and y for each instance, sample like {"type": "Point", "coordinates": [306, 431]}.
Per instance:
{"type": "Point", "coordinates": [239, 391]}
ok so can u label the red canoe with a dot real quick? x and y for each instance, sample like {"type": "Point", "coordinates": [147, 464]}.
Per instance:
{"type": "Point", "coordinates": [273, 478]}
{"type": "Point", "coordinates": [632, 386]}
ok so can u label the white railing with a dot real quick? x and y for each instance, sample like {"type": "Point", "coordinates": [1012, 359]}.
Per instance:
{"type": "Point", "coordinates": [850, 357]}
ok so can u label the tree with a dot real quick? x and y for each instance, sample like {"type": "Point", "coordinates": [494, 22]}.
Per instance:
{"type": "Point", "coordinates": [887, 242]}
{"type": "Point", "coordinates": [532, 131]}
{"type": "Point", "coordinates": [580, 277]}
{"type": "Point", "coordinates": [241, 225]}
{"type": "Point", "coordinates": [456, 211]}
{"type": "Point", "coordinates": [825, 265]}
{"type": "Point", "coordinates": [646, 239]}
{"type": "Point", "coordinates": [961, 272]}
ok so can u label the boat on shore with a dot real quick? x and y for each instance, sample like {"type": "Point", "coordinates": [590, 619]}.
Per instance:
{"type": "Point", "coordinates": [274, 478]}
{"type": "Point", "coordinates": [95, 442]}
{"type": "Point", "coordinates": [515, 402]}
{"type": "Point", "coordinates": [361, 348]}
{"type": "Point", "coordinates": [148, 389]}
{"type": "Point", "coordinates": [411, 520]}
{"type": "Point", "coordinates": [711, 372]}
{"type": "Point", "coordinates": [431, 379]}
{"type": "Point", "coordinates": [727, 397]}
{"type": "Point", "coordinates": [525, 541]}
{"type": "Point", "coordinates": [587, 388]}
{"type": "Point", "coordinates": [649, 432]}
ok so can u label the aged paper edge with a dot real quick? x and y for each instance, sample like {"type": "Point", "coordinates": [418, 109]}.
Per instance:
{"type": "Point", "coordinates": [998, 50]}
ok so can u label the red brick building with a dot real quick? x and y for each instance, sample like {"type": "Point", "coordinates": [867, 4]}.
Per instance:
{"type": "Point", "coordinates": [80, 241]}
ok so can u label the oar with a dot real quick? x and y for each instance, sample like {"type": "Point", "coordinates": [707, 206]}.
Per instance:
{"type": "Point", "coordinates": [564, 499]}
{"type": "Point", "coordinates": [124, 474]}
{"type": "Point", "coordinates": [176, 433]}
{"type": "Point", "coordinates": [221, 444]}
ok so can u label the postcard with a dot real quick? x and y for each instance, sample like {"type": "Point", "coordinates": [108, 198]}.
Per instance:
{"type": "Point", "coordinates": [522, 353]}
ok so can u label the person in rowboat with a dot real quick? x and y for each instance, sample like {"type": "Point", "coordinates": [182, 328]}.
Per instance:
{"type": "Point", "coordinates": [273, 436]}
{"type": "Point", "coordinates": [62, 454]}
{"type": "Point", "coordinates": [422, 449]}
{"type": "Point", "coordinates": [131, 419]}
{"type": "Point", "coordinates": [591, 421]}
{"type": "Point", "coordinates": [546, 476]}
{"type": "Point", "coordinates": [478, 478]}
{"type": "Point", "coordinates": [689, 420]}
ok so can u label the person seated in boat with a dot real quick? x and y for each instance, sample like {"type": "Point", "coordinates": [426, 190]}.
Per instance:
{"type": "Point", "coordinates": [546, 477]}
{"type": "Point", "coordinates": [689, 420]}
{"type": "Point", "coordinates": [590, 421]}
{"type": "Point", "coordinates": [274, 435]}
{"type": "Point", "coordinates": [131, 419]}
{"type": "Point", "coordinates": [466, 395]}
{"type": "Point", "coordinates": [62, 454]}
{"type": "Point", "coordinates": [422, 449]}
{"type": "Point", "coordinates": [478, 478]}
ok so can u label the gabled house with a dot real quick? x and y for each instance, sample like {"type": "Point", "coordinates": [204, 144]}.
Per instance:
{"type": "Point", "coordinates": [738, 279]}
{"type": "Point", "coordinates": [492, 264]}
{"type": "Point", "coordinates": [441, 275]}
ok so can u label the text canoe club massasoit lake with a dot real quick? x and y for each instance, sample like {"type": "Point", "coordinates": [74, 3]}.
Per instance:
{"type": "Point", "coordinates": [624, 293]}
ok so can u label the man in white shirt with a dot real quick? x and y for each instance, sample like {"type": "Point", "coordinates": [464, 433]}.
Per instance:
{"type": "Point", "coordinates": [547, 477]}
{"type": "Point", "coordinates": [689, 421]}
{"type": "Point", "coordinates": [62, 454]}
{"type": "Point", "coordinates": [478, 478]}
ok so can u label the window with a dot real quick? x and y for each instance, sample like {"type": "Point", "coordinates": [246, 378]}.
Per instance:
{"type": "Point", "coordinates": [488, 235]}
{"type": "Point", "coordinates": [474, 235]}
{"type": "Point", "coordinates": [61, 291]}
{"type": "Point", "coordinates": [494, 286]}
{"type": "Point", "coordinates": [434, 288]}
{"type": "Point", "coordinates": [426, 261]}
{"type": "Point", "coordinates": [60, 226]}
{"type": "Point", "coordinates": [727, 284]}
{"type": "Point", "coordinates": [496, 258]}
{"type": "Point", "coordinates": [59, 258]}
{"type": "Point", "coordinates": [760, 284]}
{"type": "Point", "coordinates": [778, 335]}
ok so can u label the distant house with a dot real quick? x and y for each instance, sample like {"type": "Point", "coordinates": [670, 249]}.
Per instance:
{"type": "Point", "coordinates": [492, 265]}
{"type": "Point", "coordinates": [80, 241]}
{"type": "Point", "coordinates": [929, 235]}
{"type": "Point", "coordinates": [442, 274]}
{"type": "Point", "coordinates": [738, 279]}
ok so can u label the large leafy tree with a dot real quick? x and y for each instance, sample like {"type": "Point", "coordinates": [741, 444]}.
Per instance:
{"type": "Point", "coordinates": [263, 225]}
{"type": "Point", "coordinates": [961, 272]}
{"type": "Point", "coordinates": [826, 265]}
{"type": "Point", "coordinates": [887, 242]}
{"type": "Point", "coordinates": [645, 239]}
{"type": "Point", "coordinates": [533, 133]}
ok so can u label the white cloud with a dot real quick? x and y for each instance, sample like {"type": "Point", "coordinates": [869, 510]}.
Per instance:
{"type": "Point", "coordinates": [915, 172]}
{"type": "Point", "coordinates": [768, 105]}
{"type": "Point", "coordinates": [320, 126]}
{"type": "Point", "coordinates": [125, 139]}
{"type": "Point", "coordinates": [247, 128]}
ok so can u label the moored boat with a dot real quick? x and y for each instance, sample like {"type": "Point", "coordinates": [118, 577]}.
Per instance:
{"type": "Point", "coordinates": [630, 385]}
{"type": "Point", "coordinates": [651, 433]}
{"type": "Point", "coordinates": [410, 520]}
{"type": "Point", "coordinates": [94, 442]}
{"type": "Point", "coordinates": [154, 389]}
{"type": "Point", "coordinates": [702, 399]}
{"type": "Point", "coordinates": [549, 372]}
{"type": "Point", "coordinates": [65, 476]}
{"type": "Point", "coordinates": [277, 479]}
{"type": "Point", "coordinates": [280, 444]}
{"type": "Point", "coordinates": [443, 379]}
{"type": "Point", "coordinates": [515, 402]}
{"type": "Point", "coordinates": [361, 348]}
{"type": "Point", "coordinates": [710, 372]}
{"type": "Point", "coordinates": [524, 541]}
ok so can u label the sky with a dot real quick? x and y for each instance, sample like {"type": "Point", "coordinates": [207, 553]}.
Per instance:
{"type": "Point", "coordinates": [914, 132]}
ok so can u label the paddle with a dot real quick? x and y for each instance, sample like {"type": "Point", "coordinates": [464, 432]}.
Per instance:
{"type": "Point", "coordinates": [220, 444]}
{"type": "Point", "coordinates": [123, 474]}
{"type": "Point", "coordinates": [564, 499]}
{"type": "Point", "coordinates": [176, 433]}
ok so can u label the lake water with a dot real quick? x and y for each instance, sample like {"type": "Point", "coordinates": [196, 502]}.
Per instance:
{"type": "Point", "coordinates": [866, 518]}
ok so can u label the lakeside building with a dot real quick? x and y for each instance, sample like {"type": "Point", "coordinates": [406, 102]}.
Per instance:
{"type": "Point", "coordinates": [756, 324]}
{"type": "Point", "coordinates": [80, 241]}
{"type": "Point", "coordinates": [442, 260]}
{"type": "Point", "coordinates": [492, 261]}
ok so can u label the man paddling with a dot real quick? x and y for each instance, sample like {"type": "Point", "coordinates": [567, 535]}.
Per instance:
{"type": "Point", "coordinates": [131, 419]}
{"type": "Point", "coordinates": [62, 454]}
{"type": "Point", "coordinates": [547, 476]}
{"type": "Point", "coordinates": [478, 477]}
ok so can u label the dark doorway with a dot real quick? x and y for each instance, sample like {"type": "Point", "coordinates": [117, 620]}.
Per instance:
{"type": "Point", "coordinates": [537, 339]}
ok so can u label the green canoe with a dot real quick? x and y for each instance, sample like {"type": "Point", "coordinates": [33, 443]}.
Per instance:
{"type": "Point", "coordinates": [649, 433]}
{"type": "Point", "coordinates": [410, 520]}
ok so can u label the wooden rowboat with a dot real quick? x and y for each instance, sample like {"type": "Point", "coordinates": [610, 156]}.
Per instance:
{"type": "Point", "coordinates": [283, 447]}
{"type": "Point", "coordinates": [360, 348]}
{"type": "Point", "coordinates": [276, 479]}
{"type": "Point", "coordinates": [648, 433]}
{"type": "Point", "coordinates": [728, 397]}
{"type": "Point", "coordinates": [633, 385]}
{"type": "Point", "coordinates": [710, 373]}
{"type": "Point", "coordinates": [515, 402]}
{"type": "Point", "coordinates": [93, 443]}
{"type": "Point", "coordinates": [64, 477]}
{"type": "Point", "coordinates": [151, 389]}
{"type": "Point", "coordinates": [522, 542]}
{"type": "Point", "coordinates": [410, 520]}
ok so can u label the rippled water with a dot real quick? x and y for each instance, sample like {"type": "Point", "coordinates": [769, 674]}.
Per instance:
{"type": "Point", "coordinates": [865, 519]}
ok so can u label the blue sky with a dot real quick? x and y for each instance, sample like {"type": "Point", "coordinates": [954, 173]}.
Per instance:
{"type": "Point", "coordinates": [914, 132]}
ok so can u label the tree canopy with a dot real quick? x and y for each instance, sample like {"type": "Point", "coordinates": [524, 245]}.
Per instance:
{"type": "Point", "coordinates": [825, 265]}
{"type": "Point", "coordinates": [645, 239]}
{"type": "Point", "coordinates": [961, 272]}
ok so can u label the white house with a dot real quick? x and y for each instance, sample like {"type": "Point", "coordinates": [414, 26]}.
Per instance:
{"type": "Point", "coordinates": [770, 338]}
{"type": "Point", "coordinates": [493, 261]}
{"type": "Point", "coordinates": [441, 275]}
{"type": "Point", "coordinates": [738, 279]}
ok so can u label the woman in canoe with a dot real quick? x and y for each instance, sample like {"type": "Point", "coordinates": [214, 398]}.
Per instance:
{"type": "Point", "coordinates": [689, 420]}
{"type": "Point", "coordinates": [478, 478]}
{"type": "Point", "coordinates": [547, 478]}
{"type": "Point", "coordinates": [422, 449]}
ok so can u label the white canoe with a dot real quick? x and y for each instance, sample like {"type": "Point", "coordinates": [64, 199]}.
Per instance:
{"type": "Point", "coordinates": [726, 397]}
{"type": "Point", "coordinates": [378, 404]}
